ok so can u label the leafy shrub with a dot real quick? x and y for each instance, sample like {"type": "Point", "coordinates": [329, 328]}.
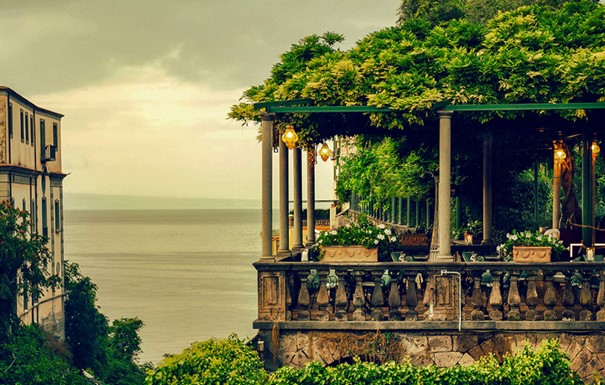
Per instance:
{"type": "Point", "coordinates": [27, 359]}
{"type": "Point", "coordinates": [214, 361]}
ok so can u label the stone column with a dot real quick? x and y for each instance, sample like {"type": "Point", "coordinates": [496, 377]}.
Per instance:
{"type": "Point", "coordinates": [556, 190]}
{"type": "Point", "coordinates": [487, 188]}
{"type": "Point", "coordinates": [311, 197]}
{"type": "Point", "coordinates": [284, 233]}
{"type": "Point", "coordinates": [267, 122]}
{"type": "Point", "coordinates": [445, 156]}
{"type": "Point", "coordinates": [297, 205]}
{"type": "Point", "coordinates": [587, 231]}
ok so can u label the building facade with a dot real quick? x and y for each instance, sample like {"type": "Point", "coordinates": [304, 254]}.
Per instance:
{"type": "Point", "coordinates": [31, 178]}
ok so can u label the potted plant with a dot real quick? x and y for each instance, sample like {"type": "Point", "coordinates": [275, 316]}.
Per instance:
{"type": "Point", "coordinates": [526, 246]}
{"type": "Point", "coordinates": [473, 231]}
{"type": "Point", "coordinates": [360, 241]}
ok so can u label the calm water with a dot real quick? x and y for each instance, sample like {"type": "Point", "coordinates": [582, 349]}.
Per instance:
{"type": "Point", "coordinates": [186, 273]}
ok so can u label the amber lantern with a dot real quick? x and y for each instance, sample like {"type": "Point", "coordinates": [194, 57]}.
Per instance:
{"type": "Point", "coordinates": [325, 152]}
{"type": "Point", "coordinates": [560, 154]}
{"type": "Point", "coordinates": [290, 137]}
{"type": "Point", "coordinates": [595, 149]}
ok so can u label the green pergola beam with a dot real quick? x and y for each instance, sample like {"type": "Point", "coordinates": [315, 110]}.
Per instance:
{"type": "Point", "coordinates": [523, 107]}
{"type": "Point", "coordinates": [294, 106]}
{"type": "Point", "coordinates": [326, 109]}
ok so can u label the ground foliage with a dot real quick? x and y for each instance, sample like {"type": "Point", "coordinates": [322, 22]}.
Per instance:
{"type": "Point", "coordinates": [231, 361]}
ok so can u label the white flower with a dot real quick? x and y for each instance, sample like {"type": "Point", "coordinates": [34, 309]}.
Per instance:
{"type": "Point", "coordinates": [381, 226]}
{"type": "Point", "coordinates": [376, 242]}
{"type": "Point", "coordinates": [380, 236]}
{"type": "Point", "coordinates": [393, 239]}
{"type": "Point", "coordinates": [387, 231]}
{"type": "Point", "coordinates": [333, 232]}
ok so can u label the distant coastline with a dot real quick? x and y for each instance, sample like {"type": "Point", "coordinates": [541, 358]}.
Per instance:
{"type": "Point", "coordinates": [76, 201]}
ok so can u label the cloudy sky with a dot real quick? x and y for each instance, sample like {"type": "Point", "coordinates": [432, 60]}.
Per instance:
{"type": "Point", "coordinates": [145, 85]}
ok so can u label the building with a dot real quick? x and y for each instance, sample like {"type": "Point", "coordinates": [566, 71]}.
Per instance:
{"type": "Point", "coordinates": [31, 178]}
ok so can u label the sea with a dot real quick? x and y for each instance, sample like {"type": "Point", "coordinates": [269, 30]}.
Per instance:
{"type": "Point", "coordinates": [187, 274]}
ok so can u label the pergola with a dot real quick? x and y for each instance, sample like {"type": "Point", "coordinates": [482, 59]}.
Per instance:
{"type": "Point", "coordinates": [445, 112]}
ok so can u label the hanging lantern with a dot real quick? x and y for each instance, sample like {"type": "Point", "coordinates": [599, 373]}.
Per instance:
{"type": "Point", "coordinates": [290, 137]}
{"type": "Point", "coordinates": [325, 152]}
{"type": "Point", "coordinates": [560, 154]}
{"type": "Point", "coordinates": [595, 148]}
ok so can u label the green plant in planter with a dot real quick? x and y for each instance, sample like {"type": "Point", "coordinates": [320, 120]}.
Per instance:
{"type": "Point", "coordinates": [474, 228]}
{"type": "Point", "coordinates": [527, 238]}
{"type": "Point", "coordinates": [360, 233]}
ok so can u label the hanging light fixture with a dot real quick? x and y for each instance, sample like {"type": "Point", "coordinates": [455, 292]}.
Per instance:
{"type": "Point", "coordinates": [325, 152]}
{"type": "Point", "coordinates": [595, 148]}
{"type": "Point", "coordinates": [560, 154]}
{"type": "Point", "coordinates": [290, 137]}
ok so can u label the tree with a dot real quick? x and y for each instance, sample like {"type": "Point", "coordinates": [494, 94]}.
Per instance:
{"type": "Point", "coordinates": [23, 260]}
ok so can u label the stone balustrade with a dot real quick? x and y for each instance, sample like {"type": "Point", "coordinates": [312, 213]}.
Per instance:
{"type": "Point", "coordinates": [472, 294]}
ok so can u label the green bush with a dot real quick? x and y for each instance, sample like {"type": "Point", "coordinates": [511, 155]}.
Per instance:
{"type": "Point", "coordinates": [27, 359]}
{"type": "Point", "coordinates": [215, 361]}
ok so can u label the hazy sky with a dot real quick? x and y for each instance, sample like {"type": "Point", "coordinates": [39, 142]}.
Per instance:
{"type": "Point", "coordinates": [145, 85]}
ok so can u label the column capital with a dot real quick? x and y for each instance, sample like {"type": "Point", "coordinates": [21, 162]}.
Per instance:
{"type": "Point", "coordinates": [445, 114]}
{"type": "Point", "coordinates": [267, 116]}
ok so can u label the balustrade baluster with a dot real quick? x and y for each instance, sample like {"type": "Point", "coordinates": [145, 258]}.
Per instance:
{"type": "Point", "coordinates": [304, 299]}
{"type": "Point", "coordinates": [514, 299]}
{"type": "Point", "coordinates": [495, 298]}
{"type": "Point", "coordinates": [358, 299]}
{"type": "Point", "coordinates": [288, 298]}
{"type": "Point", "coordinates": [569, 300]}
{"type": "Point", "coordinates": [550, 299]}
{"type": "Point", "coordinates": [586, 301]}
{"type": "Point", "coordinates": [323, 299]}
{"type": "Point", "coordinates": [341, 301]}
{"type": "Point", "coordinates": [477, 300]}
{"type": "Point", "coordinates": [394, 301]}
{"type": "Point", "coordinates": [531, 298]}
{"type": "Point", "coordinates": [411, 297]}
{"type": "Point", "coordinates": [601, 297]}
{"type": "Point", "coordinates": [377, 300]}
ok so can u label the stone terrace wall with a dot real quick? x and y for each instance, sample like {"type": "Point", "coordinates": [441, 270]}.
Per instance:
{"type": "Point", "coordinates": [296, 348]}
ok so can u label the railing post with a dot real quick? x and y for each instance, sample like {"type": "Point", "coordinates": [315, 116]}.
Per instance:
{"type": "Point", "coordinates": [411, 297]}
{"type": "Point", "coordinates": [495, 298]}
{"type": "Point", "coordinates": [514, 299]}
{"type": "Point", "coordinates": [531, 298]}
{"type": "Point", "coordinates": [601, 297]}
{"type": "Point", "coordinates": [585, 301]}
{"type": "Point", "coordinates": [550, 299]}
{"type": "Point", "coordinates": [304, 299]}
{"type": "Point", "coordinates": [340, 301]}
{"type": "Point", "coordinates": [322, 297]}
{"type": "Point", "coordinates": [394, 301]}
{"type": "Point", "coordinates": [358, 299]}
{"type": "Point", "coordinates": [569, 300]}
{"type": "Point", "coordinates": [477, 300]}
{"type": "Point", "coordinates": [377, 300]}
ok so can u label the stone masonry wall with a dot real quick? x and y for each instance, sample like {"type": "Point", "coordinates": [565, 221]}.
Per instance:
{"type": "Point", "coordinates": [296, 348]}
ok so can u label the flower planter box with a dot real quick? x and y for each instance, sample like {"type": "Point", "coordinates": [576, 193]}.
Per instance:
{"type": "Point", "coordinates": [535, 254]}
{"type": "Point", "coordinates": [414, 240]}
{"type": "Point", "coordinates": [349, 254]}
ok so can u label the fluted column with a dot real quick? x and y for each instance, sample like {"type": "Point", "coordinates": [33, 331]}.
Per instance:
{"type": "Point", "coordinates": [487, 188]}
{"type": "Point", "coordinates": [445, 155]}
{"type": "Point", "coordinates": [311, 196]}
{"type": "Point", "coordinates": [297, 242]}
{"type": "Point", "coordinates": [284, 230]}
{"type": "Point", "coordinates": [267, 122]}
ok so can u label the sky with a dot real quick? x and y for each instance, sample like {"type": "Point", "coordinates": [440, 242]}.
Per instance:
{"type": "Point", "coordinates": [146, 85]}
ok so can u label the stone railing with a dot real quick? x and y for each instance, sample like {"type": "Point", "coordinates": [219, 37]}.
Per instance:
{"type": "Point", "coordinates": [479, 295]}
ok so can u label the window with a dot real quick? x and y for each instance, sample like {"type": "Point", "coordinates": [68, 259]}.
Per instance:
{"type": "Point", "coordinates": [32, 215]}
{"type": "Point", "coordinates": [57, 217]}
{"type": "Point", "coordinates": [10, 119]}
{"type": "Point", "coordinates": [22, 125]}
{"type": "Point", "coordinates": [26, 128]}
{"type": "Point", "coordinates": [44, 218]}
{"type": "Point", "coordinates": [32, 128]}
{"type": "Point", "coordinates": [55, 136]}
{"type": "Point", "coordinates": [23, 206]}
{"type": "Point", "coordinates": [42, 136]}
